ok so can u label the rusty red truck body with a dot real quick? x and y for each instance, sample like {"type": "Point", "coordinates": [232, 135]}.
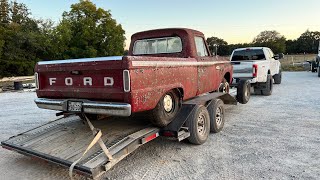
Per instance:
{"type": "Point", "coordinates": [163, 68]}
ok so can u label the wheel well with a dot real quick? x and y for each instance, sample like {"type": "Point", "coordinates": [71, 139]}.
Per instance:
{"type": "Point", "coordinates": [180, 92]}
{"type": "Point", "coordinates": [227, 77]}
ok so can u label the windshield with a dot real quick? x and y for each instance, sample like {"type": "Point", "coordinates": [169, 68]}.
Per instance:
{"type": "Point", "coordinates": [248, 54]}
{"type": "Point", "coordinates": [157, 46]}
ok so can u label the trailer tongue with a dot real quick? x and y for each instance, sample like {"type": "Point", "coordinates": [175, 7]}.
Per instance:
{"type": "Point", "coordinates": [65, 140]}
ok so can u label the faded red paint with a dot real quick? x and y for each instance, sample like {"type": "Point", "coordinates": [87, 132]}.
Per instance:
{"type": "Point", "coordinates": [148, 83]}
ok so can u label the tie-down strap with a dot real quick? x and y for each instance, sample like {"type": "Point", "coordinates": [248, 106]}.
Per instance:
{"type": "Point", "coordinates": [97, 138]}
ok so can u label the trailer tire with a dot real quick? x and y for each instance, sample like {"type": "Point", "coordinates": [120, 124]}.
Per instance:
{"type": "Point", "coordinates": [277, 78]}
{"type": "Point", "coordinates": [243, 91]}
{"type": "Point", "coordinates": [216, 113]}
{"type": "Point", "coordinates": [269, 86]}
{"type": "Point", "coordinates": [164, 112]}
{"type": "Point", "coordinates": [199, 125]}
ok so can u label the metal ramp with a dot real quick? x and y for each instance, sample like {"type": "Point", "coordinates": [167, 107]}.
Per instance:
{"type": "Point", "coordinates": [64, 140]}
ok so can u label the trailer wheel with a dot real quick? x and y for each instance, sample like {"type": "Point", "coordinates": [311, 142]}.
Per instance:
{"type": "Point", "coordinates": [216, 112]}
{"type": "Point", "coordinates": [166, 109]}
{"type": "Point", "coordinates": [243, 91]}
{"type": "Point", "coordinates": [277, 78]}
{"type": "Point", "coordinates": [199, 125]}
{"type": "Point", "coordinates": [269, 86]}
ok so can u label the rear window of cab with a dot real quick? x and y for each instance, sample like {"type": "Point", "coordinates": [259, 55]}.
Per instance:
{"type": "Point", "coordinates": [157, 46]}
{"type": "Point", "coordinates": [248, 54]}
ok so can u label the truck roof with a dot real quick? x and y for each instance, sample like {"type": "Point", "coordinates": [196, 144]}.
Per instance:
{"type": "Point", "coordinates": [165, 32]}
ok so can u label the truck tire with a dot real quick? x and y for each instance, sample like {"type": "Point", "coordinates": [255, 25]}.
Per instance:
{"type": "Point", "coordinates": [243, 91]}
{"type": "Point", "coordinates": [277, 78]}
{"type": "Point", "coordinates": [313, 66]}
{"type": "Point", "coordinates": [166, 109]}
{"type": "Point", "coordinates": [269, 86]}
{"type": "Point", "coordinates": [216, 113]}
{"type": "Point", "coordinates": [199, 125]}
{"type": "Point", "coordinates": [224, 86]}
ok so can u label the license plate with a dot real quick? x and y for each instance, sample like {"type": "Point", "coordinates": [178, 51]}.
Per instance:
{"type": "Point", "coordinates": [74, 106]}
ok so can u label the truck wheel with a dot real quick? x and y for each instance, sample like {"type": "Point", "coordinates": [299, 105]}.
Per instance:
{"type": "Point", "coordinates": [313, 66]}
{"type": "Point", "coordinates": [199, 125]}
{"type": "Point", "coordinates": [224, 86]}
{"type": "Point", "coordinates": [277, 78]}
{"type": "Point", "coordinates": [243, 91]}
{"type": "Point", "coordinates": [216, 112]}
{"type": "Point", "coordinates": [269, 86]}
{"type": "Point", "coordinates": [166, 109]}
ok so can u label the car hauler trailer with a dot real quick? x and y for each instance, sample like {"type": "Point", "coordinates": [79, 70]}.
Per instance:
{"type": "Point", "coordinates": [68, 142]}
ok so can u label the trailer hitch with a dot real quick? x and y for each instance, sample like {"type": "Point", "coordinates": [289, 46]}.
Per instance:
{"type": "Point", "coordinates": [97, 139]}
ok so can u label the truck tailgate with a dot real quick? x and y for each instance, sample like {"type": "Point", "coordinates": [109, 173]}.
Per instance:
{"type": "Point", "coordinates": [242, 69]}
{"type": "Point", "coordinates": [91, 79]}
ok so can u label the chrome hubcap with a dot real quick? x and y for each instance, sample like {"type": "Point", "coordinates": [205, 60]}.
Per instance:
{"type": "Point", "coordinates": [201, 124]}
{"type": "Point", "coordinates": [219, 117]}
{"type": "Point", "coordinates": [167, 103]}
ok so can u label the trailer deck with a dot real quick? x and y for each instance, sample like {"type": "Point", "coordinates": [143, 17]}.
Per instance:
{"type": "Point", "coordinates": [64, 140]}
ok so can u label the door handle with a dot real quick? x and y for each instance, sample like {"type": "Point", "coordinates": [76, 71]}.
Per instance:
{"type": "Point", "coordinates": [218, 68]}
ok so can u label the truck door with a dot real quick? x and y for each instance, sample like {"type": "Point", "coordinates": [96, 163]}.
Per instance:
{"type": "Point", "coordinates": [208, 76]}
{"type": "Point", "coordinates": [273, 63]}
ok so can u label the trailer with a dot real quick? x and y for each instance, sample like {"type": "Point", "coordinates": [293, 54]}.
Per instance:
{"type": "Point", "coordinates": [91, 148]}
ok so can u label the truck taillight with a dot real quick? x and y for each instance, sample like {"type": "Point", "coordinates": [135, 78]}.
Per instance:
{"type": "Point", "coordinates": [255, 70]}
{"type": "Point", "coordinates": [36, 80]}
{"type": "Point", "coordinates": [126, 81]}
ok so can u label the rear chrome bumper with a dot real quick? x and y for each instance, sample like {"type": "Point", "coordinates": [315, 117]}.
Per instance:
{"type": "Point", "coordinates": [91, 107]}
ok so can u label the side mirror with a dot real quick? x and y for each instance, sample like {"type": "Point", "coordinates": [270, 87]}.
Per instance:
{"type": "Point", "coordinates": [281, 56]}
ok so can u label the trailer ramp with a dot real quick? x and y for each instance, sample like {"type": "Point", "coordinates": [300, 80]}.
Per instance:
{"type": "Point", "coordinates": [64, 140]}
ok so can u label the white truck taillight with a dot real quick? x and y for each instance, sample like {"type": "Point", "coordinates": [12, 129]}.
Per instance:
{"type": "Point", "coordinates": [126, 81]}
{"type": "Point", "coordinates": [255, 70]}
{"type": "Point", "coordinates": [36, 80]}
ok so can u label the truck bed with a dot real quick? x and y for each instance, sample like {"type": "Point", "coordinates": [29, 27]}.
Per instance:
{"type": "Point", "coordinates": [64, 140]}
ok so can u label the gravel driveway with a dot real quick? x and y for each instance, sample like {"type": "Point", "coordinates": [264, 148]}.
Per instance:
{"type": "Point", "coordinates": [273, 137]}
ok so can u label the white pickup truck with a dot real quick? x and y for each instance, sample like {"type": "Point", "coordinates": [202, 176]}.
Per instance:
{"type": "Point", "coordinates": [258, 66]}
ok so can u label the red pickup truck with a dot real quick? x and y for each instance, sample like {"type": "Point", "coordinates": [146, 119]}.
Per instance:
{"type": "Point", "coordinates": [163, 68]}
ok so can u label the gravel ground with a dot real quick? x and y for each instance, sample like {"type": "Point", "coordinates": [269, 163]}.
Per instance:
{"type": "Point", "coordinates": [274, 137]}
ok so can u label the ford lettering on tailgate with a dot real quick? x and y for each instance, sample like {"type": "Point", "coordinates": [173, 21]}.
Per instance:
{"type": "Point", "coordinates": [86, 81]}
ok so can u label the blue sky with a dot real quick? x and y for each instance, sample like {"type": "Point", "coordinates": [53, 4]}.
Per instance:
{"type": "Point", "coordinates": [233, 20]}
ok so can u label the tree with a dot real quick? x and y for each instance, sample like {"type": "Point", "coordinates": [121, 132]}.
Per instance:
{"type": "Point", "coordinates": [271, 39]}
{"type": "Point", "coordinates": [308, 42]}
{"type": "Point", "coordinates": [4, 11]}
{"type": "Point", "coordinates": [218, 44]}
{"type": "Point", "coordinates": [88, 31]}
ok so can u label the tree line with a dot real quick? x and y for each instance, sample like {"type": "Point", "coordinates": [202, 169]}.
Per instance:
{"type": "Point", "coordinates": [84, 31]}
{"type": "Point", "coordinates": [308, 43]}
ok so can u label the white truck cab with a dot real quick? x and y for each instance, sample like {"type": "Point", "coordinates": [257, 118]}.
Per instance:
{"type": "Point", "coordinates": [259, 66]}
